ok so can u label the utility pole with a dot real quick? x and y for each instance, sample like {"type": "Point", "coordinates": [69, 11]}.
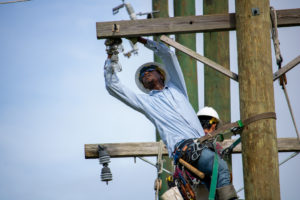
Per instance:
{"type": "Point", "coordinates": [216, 48]}
{"type": "Point", "coordinates": [163, 7]}
{"type": "Point", "coordinates": [260, 158]}
{"type": "Point", "coordinates": [187, 63]}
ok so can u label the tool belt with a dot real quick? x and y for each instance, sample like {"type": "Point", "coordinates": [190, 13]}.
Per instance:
{"type": "Point", "coordinates": [190, 150]}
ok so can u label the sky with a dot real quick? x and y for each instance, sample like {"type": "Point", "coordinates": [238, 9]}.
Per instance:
{"type": "Point", "coordinates": [53, 101]}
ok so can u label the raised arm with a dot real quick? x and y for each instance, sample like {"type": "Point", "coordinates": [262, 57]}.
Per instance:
{"type": "Point", "coordinates": [118, 90]}
{"type": "Point", "coordinates": [170, 61]}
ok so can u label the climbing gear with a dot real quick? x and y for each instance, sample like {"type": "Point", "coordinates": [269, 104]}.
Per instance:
{"type": "Point", "coordinates": [235, 130]}
{"type": "Point", "coordinates": [113, 48]}
{"type": "Point", "coordinates": [183, 182]}
{"type": "Point", "coordinates": [282, 78]}
{"type": "Point", "coordinates": [227, 151]}
{"type": "Point", "coordinates": [160, 68]}
{"type": "Point", "coordinates": [226, 193]}
{"type": "Point", "coordinates": [192, 168]}
{"type": "Point", "coordinates": [214, 178]}
{"type": "Point", "coordinates": [246, 122]}
{"type": "Point", "coordinates": [189, 150]}
{"type": "Point", "coordinates": [208, 111]}
{"type": "Point", "coordinates": [104, 159]}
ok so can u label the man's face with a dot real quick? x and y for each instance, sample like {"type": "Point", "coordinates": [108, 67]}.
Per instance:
{"type": "Point", "coordinates": [151, 78]}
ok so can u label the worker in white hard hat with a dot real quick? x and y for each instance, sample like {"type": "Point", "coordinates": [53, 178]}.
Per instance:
{"type": "Point", "coordinates": [210, 121]}
{"type": "Point", "coordinates": [164, 100]}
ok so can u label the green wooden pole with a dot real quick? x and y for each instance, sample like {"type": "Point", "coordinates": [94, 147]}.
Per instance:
{"type": "Point", "coordinates": [216, 48]}
{"type": "Point", "coordinates": [188, 64]}
{"type": "Point", "coordinates": [163, 7]}
{"type": "Point", "coordinates": [260, 153]}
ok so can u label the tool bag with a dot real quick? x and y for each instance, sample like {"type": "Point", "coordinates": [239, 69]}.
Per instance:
{"type": "Point", "coordinates": [172, 194]}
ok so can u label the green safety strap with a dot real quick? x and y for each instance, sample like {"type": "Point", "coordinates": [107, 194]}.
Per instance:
{"type": "Point", "coordinates": [236, 142]}
{"type": "Point", "coordinates": [240, 123]}
{"type": "Point", "coordinates": [214, 178]}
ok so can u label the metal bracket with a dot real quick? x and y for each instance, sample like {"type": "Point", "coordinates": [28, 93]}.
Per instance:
{"type": "Point", "coordinates": [115, 28]}
{"type": "Point", "coordinates": [255, 11]}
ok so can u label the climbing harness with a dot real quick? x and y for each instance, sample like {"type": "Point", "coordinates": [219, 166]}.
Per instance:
{"type": "Point", "coordinates": [282, 79]}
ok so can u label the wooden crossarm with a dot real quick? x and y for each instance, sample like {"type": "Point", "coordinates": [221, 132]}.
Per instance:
{"type": "Point", "coordinates": [187, 24]}
{"type": "Point", "coordinates": [117, 150]}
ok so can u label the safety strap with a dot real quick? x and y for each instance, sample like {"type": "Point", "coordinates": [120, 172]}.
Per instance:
{"type": "Point", "coordinates": [214, 178]}
{"type": "Point", "coordinates": [240, 123]}
{"type": "Point", "coordinates": [229, 149]}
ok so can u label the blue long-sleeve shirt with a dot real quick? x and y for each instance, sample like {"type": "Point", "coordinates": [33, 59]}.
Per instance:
{"type": "Point", "coordinates": [169, 109]}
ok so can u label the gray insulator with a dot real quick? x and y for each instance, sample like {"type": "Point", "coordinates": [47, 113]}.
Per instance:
{"type": "Point", "coordinates": [104, 160]}
{"type": "Point", "coordinates": [103, 156]}
{"type": "Point", "coordinates": [106, 174]}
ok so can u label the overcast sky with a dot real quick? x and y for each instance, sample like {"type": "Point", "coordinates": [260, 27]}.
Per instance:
{"type": "Point", "coordinates": [53, 101]}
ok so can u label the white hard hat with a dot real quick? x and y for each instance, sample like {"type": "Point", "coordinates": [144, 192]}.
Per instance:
{"type": "Point", "coordinates": [160, 67]}
{"type": "Point", "coordinates": [208, 111]}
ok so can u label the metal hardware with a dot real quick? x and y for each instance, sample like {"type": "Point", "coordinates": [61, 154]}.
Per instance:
{"type": "Point", "coordinates": [255, 11]}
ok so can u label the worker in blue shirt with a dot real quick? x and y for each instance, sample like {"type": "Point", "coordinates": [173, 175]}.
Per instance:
{"type": "Point", "coordinates": [164, 101]}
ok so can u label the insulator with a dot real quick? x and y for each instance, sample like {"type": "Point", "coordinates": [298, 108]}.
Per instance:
{"type": "Point", "coordinates": [106, 174]}
{"type": "Point", "coordinates": [103, 156]}
{"type": "Point", "coordinates": [104, 160]}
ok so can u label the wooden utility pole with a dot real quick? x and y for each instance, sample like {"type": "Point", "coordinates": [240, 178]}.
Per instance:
{"type": "Point", "coordinates": [260, 158]}
{"type": "Point", "coordinates": [163, 7]}
{"type": "Point", "coordinates": [216, 47]}
{"type": "Point", "coordinates": [187, 63]}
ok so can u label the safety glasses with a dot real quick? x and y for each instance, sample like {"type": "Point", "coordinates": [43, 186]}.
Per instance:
{"type": "Point", "coordinates": [144, 70]}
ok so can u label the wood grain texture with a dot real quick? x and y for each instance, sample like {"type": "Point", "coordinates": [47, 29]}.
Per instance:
{"type": "Point", "coordinates": [117, 150]}
{"type": "Point", "coordinates": [188, 24]}
{"type": "Point", "coordinates": [286, 68]}
{"type": "Point", "coordinates": [260, 151]}
{"type": "Point", "coordinates": [199, 57]}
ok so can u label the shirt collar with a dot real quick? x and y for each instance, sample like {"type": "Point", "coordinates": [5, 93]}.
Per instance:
{"type": "Point", "coordinates": [153, 92]}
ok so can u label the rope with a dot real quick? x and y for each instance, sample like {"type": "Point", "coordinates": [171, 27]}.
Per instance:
{"type": "Point", "coordinates": [291, 110]}
{"type": "Point", "coordinates": [283, 80]}
{"type": "Point", "coordinates": [159, 167]}
{"type": "Point", "coordinates": [151, 163]}
{"type": "Point", "coordinates": [281, 163]}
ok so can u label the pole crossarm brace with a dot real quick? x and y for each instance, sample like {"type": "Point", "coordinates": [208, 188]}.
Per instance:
{"type": "Point", "coordinates": [187, 24]}
{"type": "Point", "coordinates": [117, 150]}
{"type": "Point", "coordinates": [199, 57]}
{"type": "Point", "coordinates": [286, 68]}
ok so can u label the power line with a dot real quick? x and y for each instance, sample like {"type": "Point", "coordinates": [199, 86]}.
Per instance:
{"type": "Point", "coordinates": [17, 1]}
